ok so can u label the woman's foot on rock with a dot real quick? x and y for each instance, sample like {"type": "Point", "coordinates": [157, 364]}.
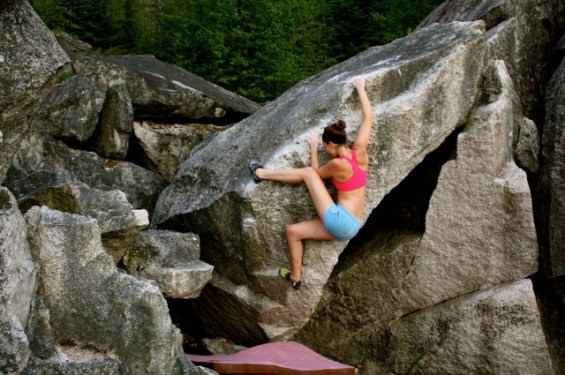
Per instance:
{"type": "Point", "coordinates": [284, 273]}
{"type": "Point", "coordinates": [253, 166]}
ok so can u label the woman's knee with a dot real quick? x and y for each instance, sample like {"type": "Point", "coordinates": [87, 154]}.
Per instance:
{"type": "Point", "coordinates": [310, 174]}
{"type": "Point", "coordinates": [310, 171]}
{"type": "Point", "coordinates": [292, 232]}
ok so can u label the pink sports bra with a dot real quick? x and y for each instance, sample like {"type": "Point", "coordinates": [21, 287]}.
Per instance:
{"type": "Point", "coordinates": [357, 180]}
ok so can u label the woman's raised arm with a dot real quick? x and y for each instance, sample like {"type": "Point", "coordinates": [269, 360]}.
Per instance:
{"type": "Point", "coordinates": [364, 132]}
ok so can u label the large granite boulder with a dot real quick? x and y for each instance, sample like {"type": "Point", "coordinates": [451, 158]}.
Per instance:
{"type": "Point", "coordinates": [479, 233]}
{"type": "Point", "coordinates": [29, 60]}
{"type": "Point", "coordinates": [452, 86]}
{"type": "Point", "coordinates": [91, 304]}
{"type": "Point", "coordinates": [422, 88]}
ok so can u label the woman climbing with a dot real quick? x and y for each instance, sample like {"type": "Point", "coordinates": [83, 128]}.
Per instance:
{"type": "Point", "coordinates": [348, 169]}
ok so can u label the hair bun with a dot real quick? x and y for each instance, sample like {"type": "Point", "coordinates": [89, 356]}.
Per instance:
{"type": "Point", "coordinates": [335, 133]}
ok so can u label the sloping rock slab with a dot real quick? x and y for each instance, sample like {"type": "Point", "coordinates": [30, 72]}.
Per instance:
{"type": "Point", "coordinates": [159, 89]}
{"type": "Point", "coordinates": [284, 358]}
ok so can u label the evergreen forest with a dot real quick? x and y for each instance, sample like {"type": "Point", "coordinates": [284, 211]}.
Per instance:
{"type": "Point", "coordinates": [256, 48]}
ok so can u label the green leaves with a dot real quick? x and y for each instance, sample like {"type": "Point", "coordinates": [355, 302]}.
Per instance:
{"type": "Point", "coordinates": [257, 48]}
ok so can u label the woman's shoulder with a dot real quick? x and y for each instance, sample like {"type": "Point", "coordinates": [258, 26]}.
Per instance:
{"type": "Point", "coordinates": [339, 162]}
{"type": "Point", "coordinates": [341, 168]}
{"type": "Point", "coordinates": [340, 165]}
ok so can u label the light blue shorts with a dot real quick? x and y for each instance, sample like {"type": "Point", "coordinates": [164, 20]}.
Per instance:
{"type": "Point", "coordinates": [341, 223]}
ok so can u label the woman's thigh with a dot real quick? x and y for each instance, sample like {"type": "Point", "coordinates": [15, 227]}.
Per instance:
{"type": "Point", "coordinates": [319, 194]}
{"type": "Point", "coordinates": [309, 230]}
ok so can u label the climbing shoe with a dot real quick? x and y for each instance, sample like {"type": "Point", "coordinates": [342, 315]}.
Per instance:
{"type": "Point", "coordinates": [284, 273]}
{"type": "Point", "coordinates": [253, 165]}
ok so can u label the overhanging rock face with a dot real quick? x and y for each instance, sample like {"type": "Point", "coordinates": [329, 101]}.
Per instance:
{"type": "Point", "coordinates": [421, 87]}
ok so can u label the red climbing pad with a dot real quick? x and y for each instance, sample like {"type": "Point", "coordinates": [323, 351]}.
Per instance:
{"type": "Point", "coordinates": [280, 358]}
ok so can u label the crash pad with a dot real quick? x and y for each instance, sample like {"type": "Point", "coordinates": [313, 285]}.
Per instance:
{"type": "Point", "coordinates": [276, 358]}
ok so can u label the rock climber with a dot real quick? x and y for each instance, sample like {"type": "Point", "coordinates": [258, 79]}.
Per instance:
{"type": "Point", "coordinates": [348, 171]}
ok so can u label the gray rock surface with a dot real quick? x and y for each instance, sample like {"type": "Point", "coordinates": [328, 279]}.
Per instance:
{"type": "Point", "coordinates": [552, 178]}
{"type": "Point", "coordinates": [14, 345]}
{"type": "Point", "coordinates": [18, 275]}
{"type": "Point", "coordinates": [492, 332]}
{"type": "Point", "coordinates": [527, 146]}
{"type": "Point", "coordinates": [29, 60]}
{"type": "Point", "coordinates": [119, 222]}
{"type": "Point", "coordinates": [479, 233]}
{"type": "Point", "coordinates": [412, 82]}
{"type": "Point", "coordinates": [70, 112]}
{"type": "Point", "coordinates": [17, 271]}
{"type": "Point", "coordinates": [73, 360]}
{"type": "Point", "coordinates": [166, 146]}
{"type": "Point", "coordinates": [90, 303]}
{"type": "Point", "coordinates": [172, 260]}
{"type": "Point", "coordinates": [115, 124]}
{"type": "Point", "coordinates": [42, 162]}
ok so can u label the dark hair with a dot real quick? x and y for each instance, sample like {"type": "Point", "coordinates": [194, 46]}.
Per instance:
{"type": "Point", "coordinates": [335, 133]}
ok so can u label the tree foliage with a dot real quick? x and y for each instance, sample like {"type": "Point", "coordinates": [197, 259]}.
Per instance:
{"type": "Point", "coordinates": [257, 48]}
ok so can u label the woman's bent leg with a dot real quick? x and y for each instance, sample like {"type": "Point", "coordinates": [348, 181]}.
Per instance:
{"type": "Point", "coordinates": [306, 230]}
{"type": "Point", "coordinates": [287, 176]}
{"type": "Point", "coordinates": [321, 198]}
{"type": "Point", "coordinates": [295, 234]}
